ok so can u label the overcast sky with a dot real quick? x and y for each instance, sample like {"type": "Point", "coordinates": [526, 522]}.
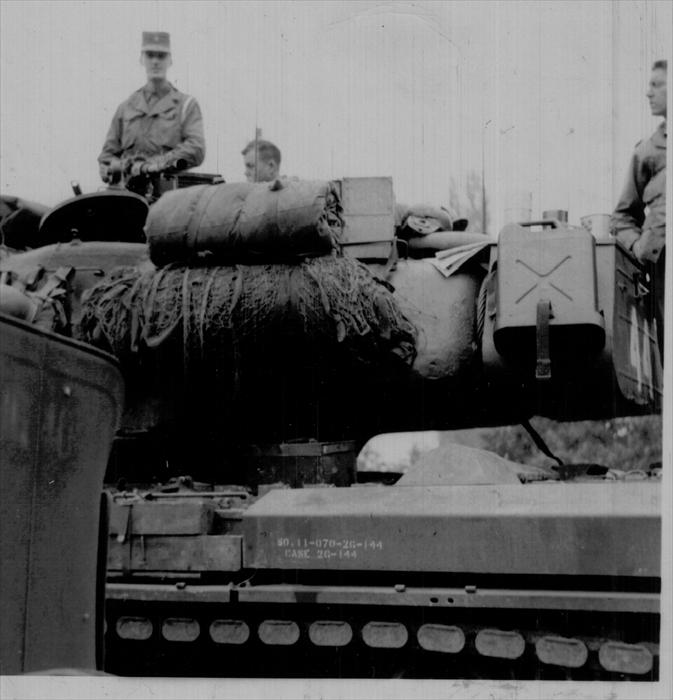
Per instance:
{"type": "Point", "coordinates": [543, 97]}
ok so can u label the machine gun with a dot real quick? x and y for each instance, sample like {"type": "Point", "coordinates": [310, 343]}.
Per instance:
{"type": "Point", "coordinates": [146, 177]}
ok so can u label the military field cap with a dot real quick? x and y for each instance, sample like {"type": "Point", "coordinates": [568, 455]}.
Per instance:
{"type": "Point", "coordinates": [156, 41]}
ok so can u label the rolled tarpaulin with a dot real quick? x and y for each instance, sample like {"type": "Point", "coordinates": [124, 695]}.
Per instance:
{"type": "Point", "coordinates": [245, 222]}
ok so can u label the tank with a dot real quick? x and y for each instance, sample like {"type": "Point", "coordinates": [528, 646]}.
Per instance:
{"type": "Point", "coordinates": [244, 541]}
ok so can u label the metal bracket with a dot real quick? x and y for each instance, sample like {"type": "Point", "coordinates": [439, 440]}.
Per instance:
{"type": "Point", "coordinates": [33, 278]}
{"type": "Point", "coordinates": [126, 536]}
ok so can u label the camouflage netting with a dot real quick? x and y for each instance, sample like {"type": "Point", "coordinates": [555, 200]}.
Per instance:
{"type": "Point", "coordinates": [217, 314]}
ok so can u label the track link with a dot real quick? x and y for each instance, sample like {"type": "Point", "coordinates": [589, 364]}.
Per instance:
{"type": "Point", "coordinates": [304, 640]}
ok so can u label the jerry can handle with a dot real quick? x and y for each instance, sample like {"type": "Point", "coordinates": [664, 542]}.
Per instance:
{"type": "Point", "coordinates": [554, 223]}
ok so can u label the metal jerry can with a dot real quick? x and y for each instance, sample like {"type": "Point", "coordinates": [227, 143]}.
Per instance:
{"type": "Point", "coordinates": [546, 291]}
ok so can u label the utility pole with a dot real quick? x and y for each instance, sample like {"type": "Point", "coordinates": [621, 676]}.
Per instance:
{"type": "Point", "coordinates": [484, 217]}
{"type": "Point", "coordinates": [258, 136]}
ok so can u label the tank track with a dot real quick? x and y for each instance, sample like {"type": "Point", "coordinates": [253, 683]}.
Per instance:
{"type": "Point", "coordinates": [372, 641]}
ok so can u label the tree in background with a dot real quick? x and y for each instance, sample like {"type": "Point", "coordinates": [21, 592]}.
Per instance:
{"type": "Point", "coordinates": [627, 444]}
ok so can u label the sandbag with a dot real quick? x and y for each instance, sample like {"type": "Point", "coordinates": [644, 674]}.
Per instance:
{"type": "Point", "coordinates": [245, 222]}
{"type": "Point", "coordinates": [443, 310]}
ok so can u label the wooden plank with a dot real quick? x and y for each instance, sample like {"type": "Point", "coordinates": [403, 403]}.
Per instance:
{"type": "Point", "coordinates": [162, 518]}
{"type": "Point", "coordinates": [186, 553]}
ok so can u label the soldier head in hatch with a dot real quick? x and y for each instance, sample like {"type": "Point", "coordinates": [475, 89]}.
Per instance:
{"type": "Point", "coordinates": [261, 160]}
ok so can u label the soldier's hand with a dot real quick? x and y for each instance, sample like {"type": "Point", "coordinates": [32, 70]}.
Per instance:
{"type": "Point", "coordinates": [637, 249]}
{"type": "Point", "coordinates": [114, 172]}
{"type": "Point", "coordinates": [110, 172]}
{"type": "Point", "coordinates": [138, 167]}
{"type": "Point", "coordinates": [152, 168]}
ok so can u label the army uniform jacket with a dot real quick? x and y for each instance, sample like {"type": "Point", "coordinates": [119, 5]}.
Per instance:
{"type": "Point", "coordinates": [170, 129]}
{"type": "Point", "coordinates": [641, 210]}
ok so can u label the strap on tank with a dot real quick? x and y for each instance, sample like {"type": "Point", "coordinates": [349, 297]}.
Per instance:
{"type": "Point", "coordinates": [539, 442]}
{"type": "Point", "coordinates": [199, 211]}
{"type": "Point", "coordinates": [543, 364]}
{"type": "Point", "coordinates": [391, 262]}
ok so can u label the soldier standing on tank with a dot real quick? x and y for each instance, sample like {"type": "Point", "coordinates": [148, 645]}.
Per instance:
{"type": "Point", "coordinates": [639, 219]}
{"type": "Point", "coordinates": [157, 127]}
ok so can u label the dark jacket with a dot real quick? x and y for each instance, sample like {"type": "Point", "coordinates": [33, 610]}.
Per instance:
{"type": "Point", "coordinates": [171, 129]}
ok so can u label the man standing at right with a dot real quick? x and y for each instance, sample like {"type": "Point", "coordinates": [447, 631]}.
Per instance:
{"type": "Point", "coordinates": [639, 219]}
